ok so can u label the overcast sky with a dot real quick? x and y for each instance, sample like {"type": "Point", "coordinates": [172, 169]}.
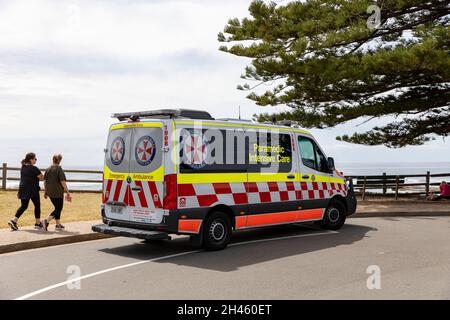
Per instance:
{"type": "Point", "coordinates": [65, 66]}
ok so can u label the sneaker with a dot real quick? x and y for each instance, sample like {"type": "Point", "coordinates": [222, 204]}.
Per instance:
{"type": "Point", "coordinates": [13, 225]}
{"type": "Point", "coordinates": [59, 227]}
{"type": "Point", "coordinates": [39, 226]}
{"type": "Point", "coordinates": [45, 224]}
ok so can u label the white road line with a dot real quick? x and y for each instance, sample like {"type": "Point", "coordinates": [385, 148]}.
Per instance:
{"type": "Point", "coordinates": [90, 275]}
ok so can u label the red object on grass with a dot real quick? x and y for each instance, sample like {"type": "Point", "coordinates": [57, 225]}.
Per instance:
{"type": "Point", "coordinates": [445, 189]}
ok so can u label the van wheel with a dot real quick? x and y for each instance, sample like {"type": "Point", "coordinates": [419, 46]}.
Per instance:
{"type": "Point", "coordinates": [334, 217]}
{"type": "Point", "coordinates": [217, 231]}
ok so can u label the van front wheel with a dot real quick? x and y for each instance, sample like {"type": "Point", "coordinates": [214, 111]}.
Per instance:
{"type": "Point", "coordinates": [334, 217]}
{"type": "Point", "coordinates": [217, 231]}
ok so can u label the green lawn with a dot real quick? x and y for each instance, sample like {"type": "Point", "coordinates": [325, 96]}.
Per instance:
{"type": "Point", "coordinates": [84, 206]}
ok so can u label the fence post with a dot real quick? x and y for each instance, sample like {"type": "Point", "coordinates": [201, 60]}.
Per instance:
{"type": "Point", "coordinates": [427, 184]}
{"type": "Point", "coordinates": [397, 178]}
{"type": "Point", "coordinates": [364, 189]}
{"type": "Point", "coordinates": [384, 183]}
{"type": "Point", "coordinates": [4, 175]}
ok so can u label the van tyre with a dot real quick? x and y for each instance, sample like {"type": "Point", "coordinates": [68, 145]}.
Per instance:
{"type": "Point", "coordinates": [216, 231]}
{"type": "Point", "coordinates": [334, 217]}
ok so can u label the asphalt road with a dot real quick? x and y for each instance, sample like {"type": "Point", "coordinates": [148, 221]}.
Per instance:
{"type": "Point", "coordinates": [285, 262]}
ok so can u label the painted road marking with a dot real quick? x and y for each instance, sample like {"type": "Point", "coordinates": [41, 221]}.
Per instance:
{"type": "Point", "coordinates": [90, 275]}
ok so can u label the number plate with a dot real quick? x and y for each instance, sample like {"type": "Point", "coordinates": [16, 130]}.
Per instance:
{"type": "Point", "coordinates": [117, 209]}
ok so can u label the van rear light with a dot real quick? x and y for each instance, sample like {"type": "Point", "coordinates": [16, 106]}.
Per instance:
{"type": "Point", "coordinates": [170, 192]}
{"type": "Point", "coordinates": [103, 187]}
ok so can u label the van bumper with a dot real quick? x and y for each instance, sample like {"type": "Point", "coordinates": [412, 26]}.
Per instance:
{"type": "Point", "coordinates": [162, 227]}
{"type": "Point", "coordinates": [131, 232]}
{"type": "Point", "coordinates": [350, 198]}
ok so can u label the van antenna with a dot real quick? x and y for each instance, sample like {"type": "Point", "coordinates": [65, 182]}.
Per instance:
{"type": "Point", "coordinates": [239, 112]}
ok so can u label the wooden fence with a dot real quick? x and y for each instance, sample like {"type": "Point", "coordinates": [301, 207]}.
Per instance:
{"type": "Point", "coordinates": [395, 185]}
{"type": "Point", "coordinates": [5, 178]}
{"type": "Point", "coordinates": [386, 185]}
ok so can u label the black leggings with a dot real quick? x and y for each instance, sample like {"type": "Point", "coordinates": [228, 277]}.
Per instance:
{"type": "Point", "coordinates": [25, 202]}
{"type": "Point", "coordinates": [58, 204]}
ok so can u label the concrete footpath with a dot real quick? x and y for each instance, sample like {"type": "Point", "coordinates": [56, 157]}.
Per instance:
{"type": "Point", "coordinates": [29, 238]}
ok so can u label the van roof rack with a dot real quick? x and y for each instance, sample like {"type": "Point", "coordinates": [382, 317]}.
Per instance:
{"type": "Point", "coordinates": [167, 113]}
{"type": "Point", "coordinates": [288, 123]}
{"type": "Point", "coordinates": [234, 119]}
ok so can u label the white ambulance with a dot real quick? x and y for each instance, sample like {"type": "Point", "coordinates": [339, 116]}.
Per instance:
{"type": "Point", "coordinates": [179, 171]}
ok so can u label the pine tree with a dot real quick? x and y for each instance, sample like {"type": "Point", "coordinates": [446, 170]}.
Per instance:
{"type": "Point", "coordinates": [333, 61]}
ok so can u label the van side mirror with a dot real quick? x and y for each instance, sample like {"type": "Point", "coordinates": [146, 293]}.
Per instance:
{"type": "Point", "coordinates": [331, 166]}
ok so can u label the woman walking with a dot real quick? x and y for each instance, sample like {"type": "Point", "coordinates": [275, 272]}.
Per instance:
{"type": "Point", "coordinates": [29, 188]}
{"type": "Point", "coordinates": [55, 185]}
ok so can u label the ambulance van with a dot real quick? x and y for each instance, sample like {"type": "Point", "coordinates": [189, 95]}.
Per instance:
{"type": "Point", "coordinates": [180, 171]}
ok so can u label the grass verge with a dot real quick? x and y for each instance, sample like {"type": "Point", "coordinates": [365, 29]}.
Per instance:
{"type": "Point", "coordinates": [84, 207]}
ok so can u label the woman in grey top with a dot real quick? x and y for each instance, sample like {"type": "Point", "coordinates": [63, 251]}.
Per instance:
{"type": "Point", "coordinates": [55, 184]}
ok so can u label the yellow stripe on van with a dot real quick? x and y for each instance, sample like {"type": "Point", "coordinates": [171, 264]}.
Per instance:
{"type": "Point", "coordinates": [136, 125]}
{"type": "Point", "coordinates": [183, 178]}
{"type": "Point", "coordinates": [336, 180]}
{"type": "Point", "coordinates": [191, 178]}
{"type": "Point", "coordinates": [320, 178]}
{"type": "Point", "coordinates": [157, 175]}
{"type": "Point", "coordinates": [239, 125]}
{"type": "Point", "coordinates": [271, 177]}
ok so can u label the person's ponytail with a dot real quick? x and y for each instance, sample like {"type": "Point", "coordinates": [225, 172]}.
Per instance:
{"type": "Point", "coordinates": [28, 157]}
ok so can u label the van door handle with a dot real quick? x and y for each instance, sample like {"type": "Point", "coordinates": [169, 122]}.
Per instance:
{"type": "Point", "coordinates": [305, 176]}
{"type": "Point", "coordinates": [115, 203]}
{"type": "Point", "coordinates": [136, 189]}
{"type": "Point", "coordinates": [291, 176]}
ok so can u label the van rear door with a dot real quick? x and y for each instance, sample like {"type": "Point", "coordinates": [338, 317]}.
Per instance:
{"type": "Point", "coordinates": [134, 173]}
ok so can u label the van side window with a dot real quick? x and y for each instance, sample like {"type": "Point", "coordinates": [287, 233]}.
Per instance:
{"type": "Point", "coordinates": [311, 155]}
{"type": "Point", "coordinates": [307, 153]}
{"type": "Point", "coordinates": [268, 152]}
{"type": "Point", "coordinates": [211, 151]}
{"type": "Point", "coordinates": [322, 163]}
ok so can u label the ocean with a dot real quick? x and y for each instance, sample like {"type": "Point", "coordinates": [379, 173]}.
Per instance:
{"type": "Point", "coordinates": [349, 169]}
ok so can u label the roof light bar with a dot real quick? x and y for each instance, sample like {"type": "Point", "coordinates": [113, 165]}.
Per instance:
{"type": "Point", "coordinates": [169, 113]}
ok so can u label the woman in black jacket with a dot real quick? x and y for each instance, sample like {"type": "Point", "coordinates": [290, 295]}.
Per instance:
{"type": "Point", "coordinates": [29, 188]}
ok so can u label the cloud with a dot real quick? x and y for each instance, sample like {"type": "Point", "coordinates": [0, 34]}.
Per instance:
{"type": "Point", "coordinates": [128, 30]}
{"type": "Point", "coordinates": [66, 66]}
{"type": "Point", "coordinates": [76, 63]}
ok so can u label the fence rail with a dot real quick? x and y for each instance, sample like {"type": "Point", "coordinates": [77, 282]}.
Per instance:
{"type": "Point", "coordinates": [5, 177]}
{"type": "Point", "coordinates": [393, 185]}
{"type": "Point", "coordinates": [396, 183]}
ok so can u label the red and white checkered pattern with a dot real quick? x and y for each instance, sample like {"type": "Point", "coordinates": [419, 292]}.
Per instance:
{"type": "Point", "coordinates": [209, 194]}
{"type": "Point", "coordinates": [120, 191]}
